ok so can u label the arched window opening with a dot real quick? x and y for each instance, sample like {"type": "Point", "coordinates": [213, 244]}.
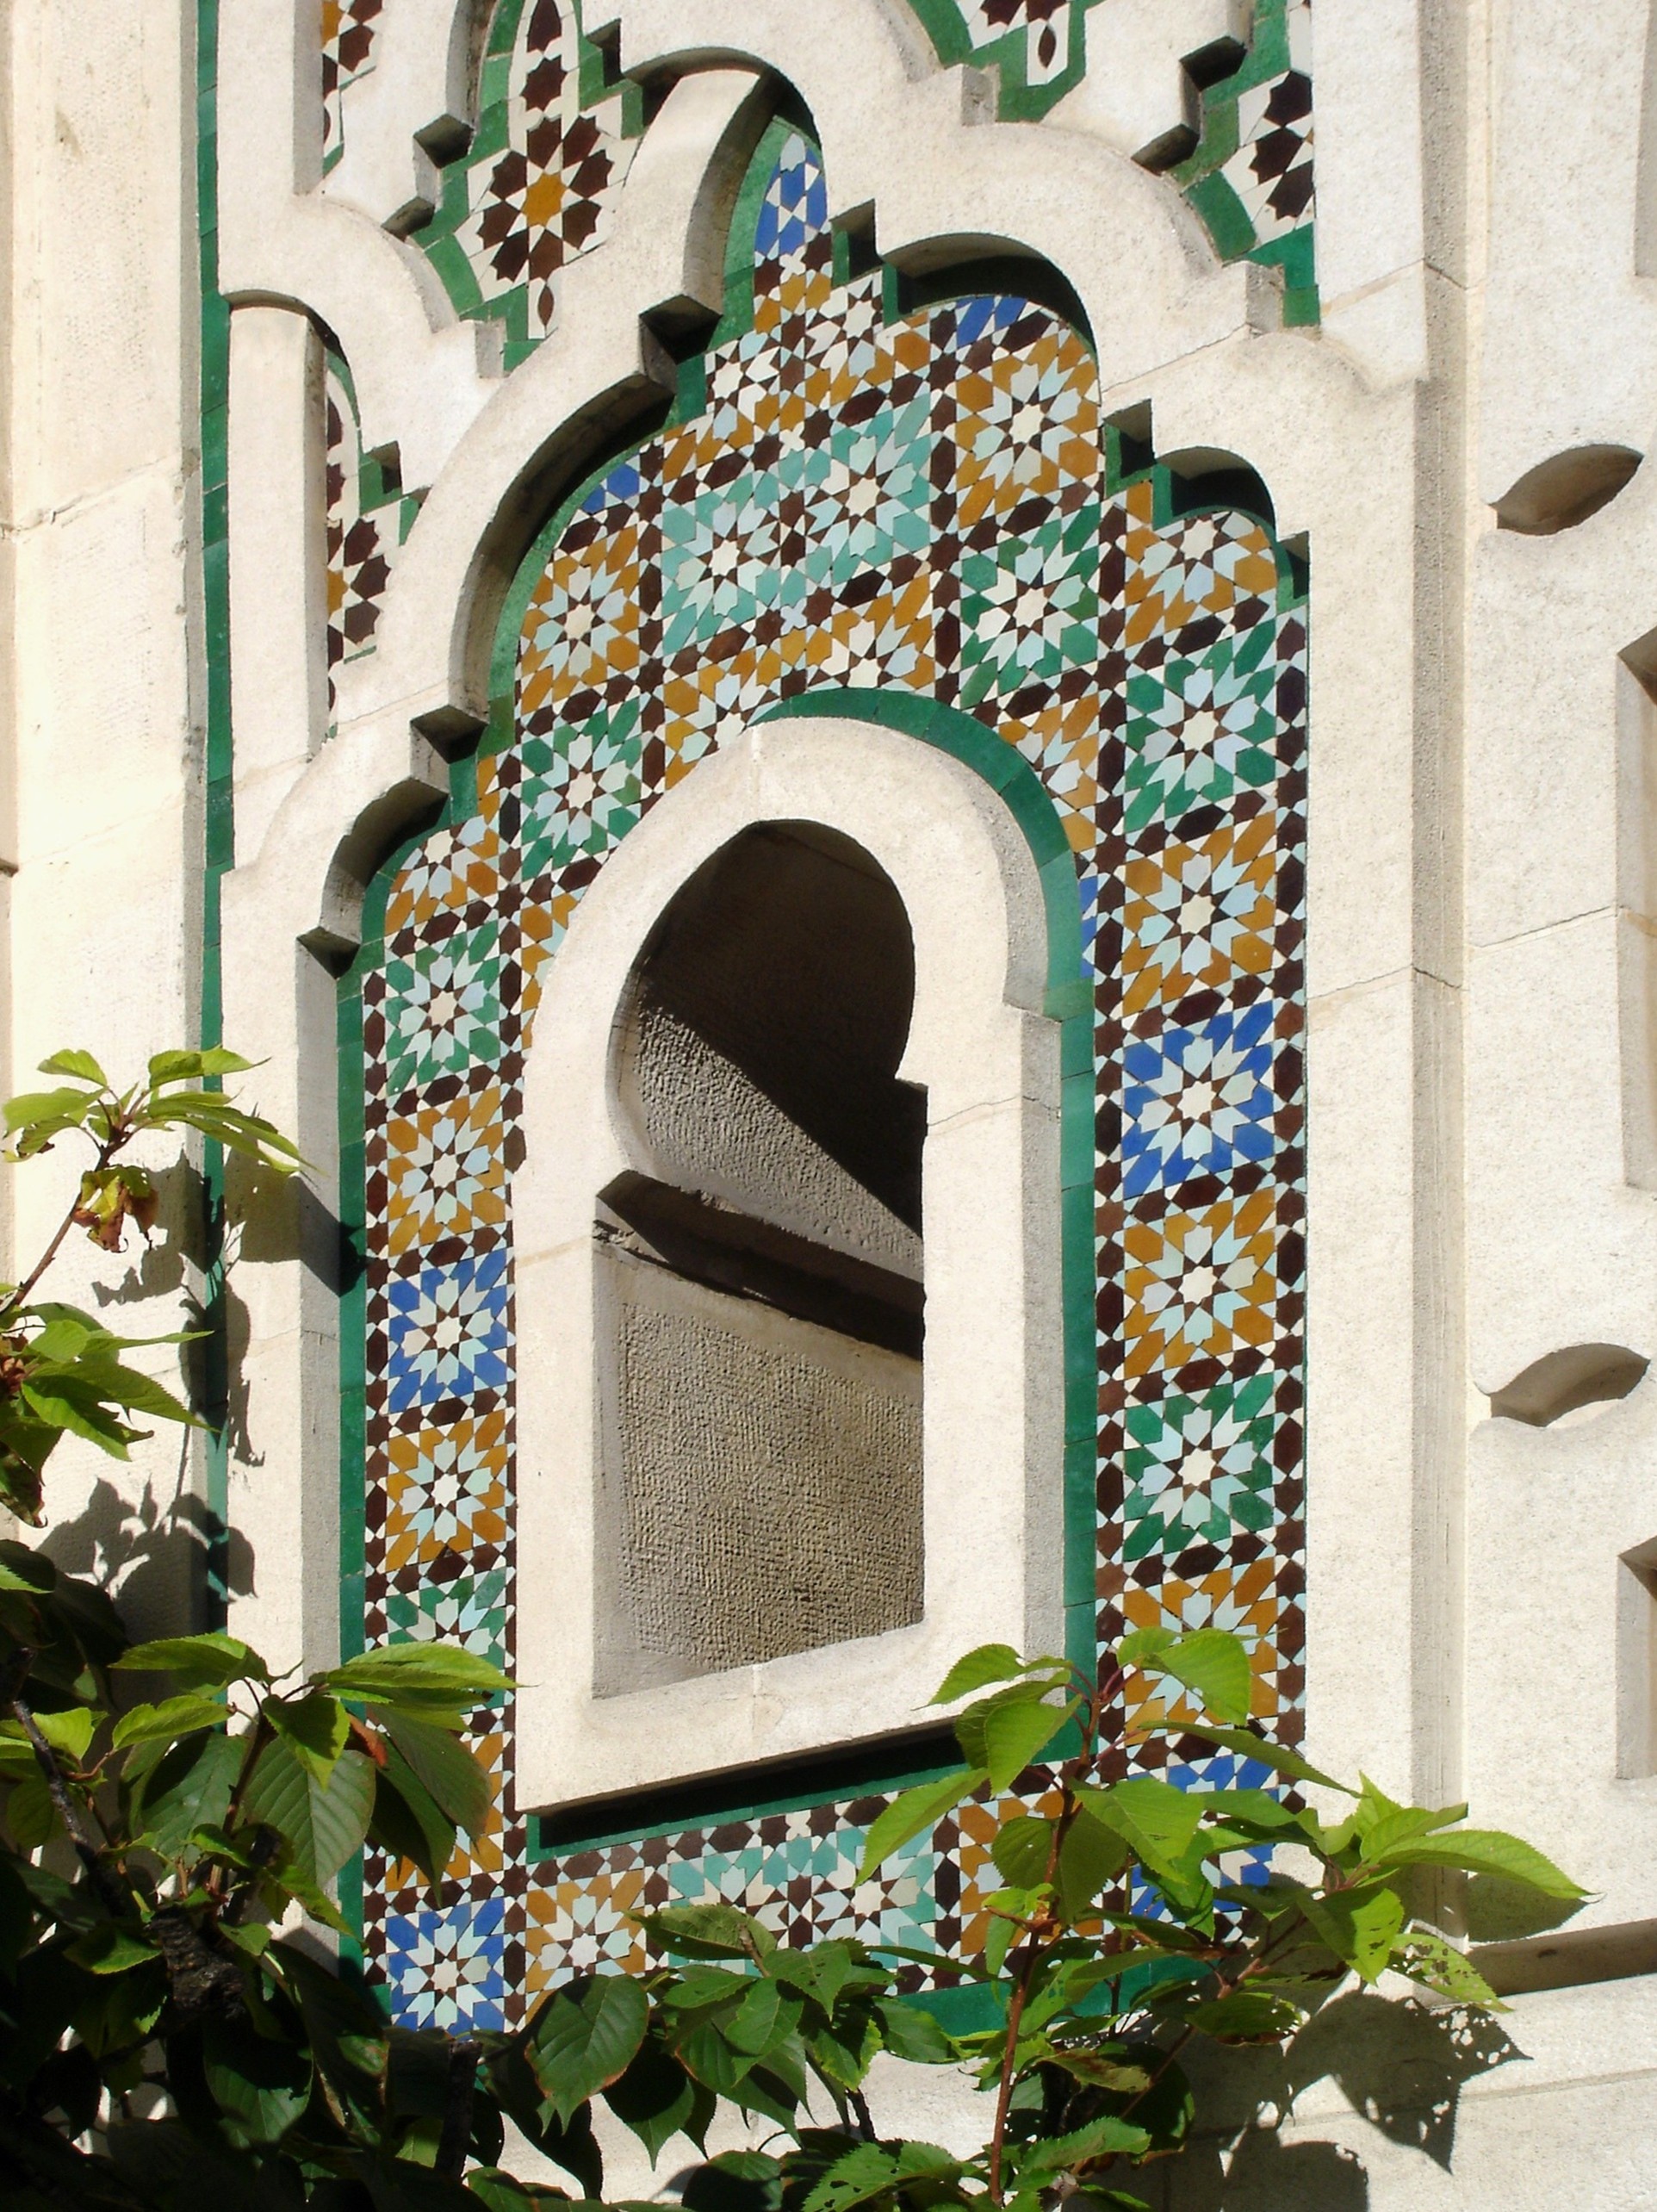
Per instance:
{"type": "Point", "coordinates": [759, 1304]}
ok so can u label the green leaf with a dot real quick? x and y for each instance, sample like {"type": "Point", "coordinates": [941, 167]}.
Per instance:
{"type": "Point", "coordinates": [99, 1378]}
{"type": "Point", "coordinates": [80, 1414]}
{"type": "Point", "coordinates": [61, 1339]}
{"type": "Point", "coordinates": [872, 2169]}
{"type": "Point", "coordinates": [29, 1571]}
{"type": "Point", "coordinates": [187, 1788]}
{"type": "Point", "coordinates": [174, 1717]}
{"type": "Point", "coordinates": [213, 1658]}
{"type": "Point", "coordinates": [1485, 1851]}
{"type": "Point", "coordinates": [30, 1814]}
{"type": "Point", "coordinates": [1123, 2067]}
{"type": "Point", "coordinates": [1021, 1850]}
{"type": "Point", "coordinates": [707, 1931]}
{"type": "Point", "coordinates": [765, 2015]}
{"type": "Point", "coordinates": [1105, 2137]}
{"type": "Point", "coordinates": [1155, 1820]}
{"type": "Point", "coordinates": [1358, 1925]}
{"type": "Point", "coordinates": [843, 2052]}
{"type": "Point", "coordinates": [823, 1970]}
{"type": "Point", "coordinates": [1015, 1735]}
{"type": "Point", "coordinates": [450, 1773]}
{"type": "Point", "coordinates": [17, 1758]}
{"type": "Point", "coordinates": [110, 1949]}
{"type": "Point", "coordinates": [1278, 1756]}
{"type": "Point", "coordinates": [910, 2032]}
{"type": "Point", "coordinates": [80, 1065]}
{"type": "Point", "coordinates": [264, 2086]}
{"type": "Point", "coordinates": [913, 1811]}
{"type": "Point", "coordinates": [323, 1824]}
{"type": "Point", "coordinates": [498, 2190]}
{"type": "Point", "coordinates": [735, 2181]}
{"type": "Point", "coordinates": [315, 1727]}
{"type": "Point", "coordinates": [990, 1662]}
{"type": "Point", "coordinates": [1092, 1856]}
{"type": "Point", "coordinates": [578, 2046]}
{"type": "Point", "coordinates": [1007, 1908]}
{"type": "Point", "coordinates": [191, 1066]}
{"type": "Point", "coordinates": [287, 1880]}
{"type": "Point", "coordinates": [416, 1676]}
{"type": "Point", "coordinates": [1399, 1823]}
{"type": "Point", "coordinates": [655, 2098]}
{"type": "Point", "coordinates": [1215, 1667]}
{"type": "Point", "coordinates": [1142, 1647]}
{"type": "Point", "coordinates": [1246, 2016]}
{"type": "Point", "coordinates": [508, 2075]}
{"type": "Point", "coordinates": [62, 1109]}
{"type": "Point", "coordinates": [69, 1731]}
{"type": "Point", "coordinates": [1438, 1965]}
{"type": "Point", "coordinates": [407, 1822]}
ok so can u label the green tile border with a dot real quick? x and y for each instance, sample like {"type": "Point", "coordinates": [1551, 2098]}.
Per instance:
{"type": "Point", "coordinates": [211, 1596]}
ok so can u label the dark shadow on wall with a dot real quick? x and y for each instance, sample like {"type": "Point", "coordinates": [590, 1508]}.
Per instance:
{"type": "Point", "coordinates": [150, 1555]}
{"type": "Point", "coordinates": [1401, 2067]}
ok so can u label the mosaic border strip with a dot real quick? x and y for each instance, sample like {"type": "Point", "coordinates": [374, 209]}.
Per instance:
{"type": "Point", "coordinates": [368, 515]}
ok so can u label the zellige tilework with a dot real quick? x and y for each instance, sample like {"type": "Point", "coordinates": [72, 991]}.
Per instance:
{"type": "Point", "coordinates": [367, 517]}
{"type": "Point", "coordinates": [921, 511]}
{"type": "Point", "coordinates": [535, 186]}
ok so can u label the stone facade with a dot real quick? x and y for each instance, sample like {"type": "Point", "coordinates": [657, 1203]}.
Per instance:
{"type": "Point", "coordinates": [1201, 571]}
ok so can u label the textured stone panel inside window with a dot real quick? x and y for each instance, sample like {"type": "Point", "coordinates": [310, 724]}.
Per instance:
{"type": "Point", "coordinates": [762, 1493]}
{"type": "Point", "coordinates": [761, 1484]}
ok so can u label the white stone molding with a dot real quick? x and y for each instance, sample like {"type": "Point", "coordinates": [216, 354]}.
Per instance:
{"type": "Point", "coordinates": [1376, 264]}
{"type": "Point", "coordinates": [994, 1420]}
{"type": "Point", "coordinates": [421, 80]}
{"type": "Point", "coordinates": [1560, 891]}
{"type": "Point", "coordinates": [1138, 90]}
{"type": "Point", "coordinates": [1138, 258]}
{"type": "Point", "coordinates": [1552, 1514]}
{"type": "Point", "coordinates": [278, 680]}
{"type": "Point", "coordinates": [420, 373]}
{"type": "Point", "coordinates": [1570, 339]}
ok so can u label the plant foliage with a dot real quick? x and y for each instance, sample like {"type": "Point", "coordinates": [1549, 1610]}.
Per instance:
{"type": "Point", "coordinates": [61, 1373]}
{"type": "Point", "coordinates": [172, 1812]}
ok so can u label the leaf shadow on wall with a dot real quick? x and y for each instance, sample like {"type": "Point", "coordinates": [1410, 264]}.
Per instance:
{"type": "Point", "coordinates": [151, 1555]}
{"type": "Point", "coordinates": [1401, 2067]}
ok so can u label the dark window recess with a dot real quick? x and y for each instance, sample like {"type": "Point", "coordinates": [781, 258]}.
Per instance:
{"type": "Point", "coordinates": [760, 1299]}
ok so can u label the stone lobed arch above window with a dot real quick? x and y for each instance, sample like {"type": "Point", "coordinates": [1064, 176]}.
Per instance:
{"type": "Point", "coordinates": [919, 510]}
{"type": "Point", "coordinates": [553, 130]}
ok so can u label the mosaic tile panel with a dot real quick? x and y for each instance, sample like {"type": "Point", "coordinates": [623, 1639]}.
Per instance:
{"type": "Point", "coordinates": [1250, 177]}
{"type": "Point", "coordinates": [928, 507]}
{"type": "Point", "coordinates": [367, 517]}
{"type": "Point", "coordinates": [534, 188]}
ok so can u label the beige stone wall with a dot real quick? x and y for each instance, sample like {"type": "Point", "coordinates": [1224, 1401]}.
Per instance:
{"type": "Point", "coordinates": [101, 719]}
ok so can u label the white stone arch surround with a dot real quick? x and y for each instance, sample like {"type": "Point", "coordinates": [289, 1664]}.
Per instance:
{"type": "Point", "coordinates": [993, 1417]}
{"type": "Point", "coordinates": [1353, 466]}
{"type": "Point", "coordinates": [1138, 258]}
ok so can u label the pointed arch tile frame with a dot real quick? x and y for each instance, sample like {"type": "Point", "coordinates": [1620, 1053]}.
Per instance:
{"type": "Point", "coordinates": [1151, 501]}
